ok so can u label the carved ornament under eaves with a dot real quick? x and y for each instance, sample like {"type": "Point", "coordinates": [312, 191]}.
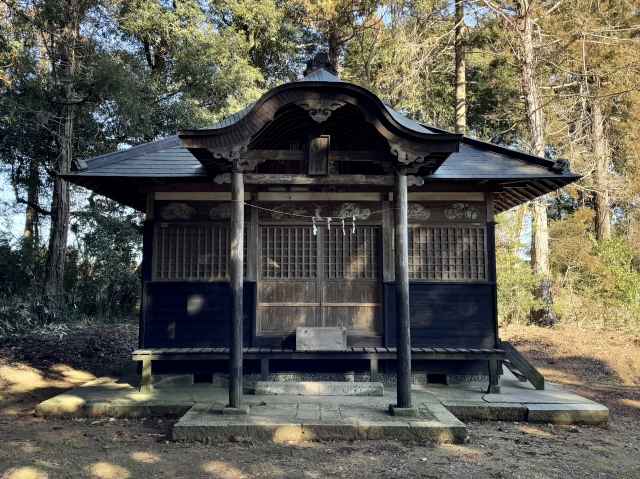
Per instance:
{"type": "Point", "coordinates": [320, 109]}
{"type": "Point", "coordinates": [177, 211]}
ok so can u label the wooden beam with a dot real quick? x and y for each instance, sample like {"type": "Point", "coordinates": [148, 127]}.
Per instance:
{"type": "Point", "coordinates": [551, 184]}
{"type": "Point", "coordinates": [237, 239]}
{"type": "Point", "coordinates": [196, 196]}
{"type": "Point", "coordinates": [501, 206]}
{"type": "Point", "coordinates": [304, 180]}
{"type": "Point", "coordinates": [403, 364]}
{"type": "Point", "coordinates": [536, 189]}
{"type": "Point", "coordinates": [317, 196]}
{"type": "Point", "coordinates": [334, 155]}
{"type": "Point", "coordinates": [517, 194]}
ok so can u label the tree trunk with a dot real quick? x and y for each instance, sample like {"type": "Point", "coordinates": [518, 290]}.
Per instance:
{"type": "Point", "coordinates": [544, 315]}
{"type": "Point", "coordinates": [54, 285]}
{"type": "Point", "coordinates": [54, 276]}
{"type": "Point", "coordinates": [600, 153]}
{"type": "Point", "coordinates": [31, 224]}
{"type": "Point", "coordinates": [334, 50]}
{"type": "Point", "coordinates": [461, 82]}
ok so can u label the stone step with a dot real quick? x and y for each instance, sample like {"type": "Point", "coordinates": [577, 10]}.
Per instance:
{"type": "Point", "coordinates": [311, 419]}
{"type": "Point", "coordinates": [319, 388]}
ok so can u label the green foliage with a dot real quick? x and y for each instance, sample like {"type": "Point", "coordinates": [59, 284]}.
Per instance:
{"type": "Point", "coordinates": [407, 60]}
{"type": "Point", "coordinates": [601, 278]}
{"type": "Point", "coordinates": [595, 284]}
{"type": "Point", "coordinates": [21, 305]}
{"type": "Point", "coordinates": [516, 280]}
{"type": "Point", "coordinates": [103, 279]}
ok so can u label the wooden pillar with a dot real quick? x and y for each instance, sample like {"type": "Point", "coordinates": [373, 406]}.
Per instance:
{"type": "Point", "coordinates": [146, 267]}
{"type": "Point", "coordinates": [264, 369]}
{"type": "Point", "coordinates": [491, 261]}
{"type": "Point", "coordinates": [237, 238]}
{"type": "Point", "coordinates": [403, 370]}
{"type": "Point", "coordinates": [146, 376]}
{"type": "Point", "coordinates": [495, 367]}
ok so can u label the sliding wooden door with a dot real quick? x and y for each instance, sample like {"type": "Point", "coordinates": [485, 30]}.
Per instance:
{"type": "Point", "coordinates": [328, 279]}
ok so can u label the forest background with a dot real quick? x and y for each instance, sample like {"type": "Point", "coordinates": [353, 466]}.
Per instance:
{"type": "Point", "coordinates": [79, 78]}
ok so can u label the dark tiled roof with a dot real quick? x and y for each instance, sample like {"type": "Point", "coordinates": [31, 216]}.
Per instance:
{"type": "Point", "coordinates": [167, 158]}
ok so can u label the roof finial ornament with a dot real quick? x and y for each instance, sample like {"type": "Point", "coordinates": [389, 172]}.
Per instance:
{"type": "Point", "coordinates": [320, 60]}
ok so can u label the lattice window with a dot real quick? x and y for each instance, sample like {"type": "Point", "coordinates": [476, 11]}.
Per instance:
{"type": "Point", "coordinates": [191, 252]}
{"type": "Point", "coordinates": [351, 255]}
{"type": "Point", "coordinates": [447, 253]}
{"type": "Point", "coordinates": [288, 252]}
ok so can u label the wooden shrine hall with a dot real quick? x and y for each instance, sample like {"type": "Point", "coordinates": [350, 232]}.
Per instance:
{"type": "Point", "coordinates": [320, 211]}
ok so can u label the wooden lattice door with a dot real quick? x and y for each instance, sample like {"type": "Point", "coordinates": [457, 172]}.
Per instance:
{"type": "Point", "coordinates": [350, 285]}
{"type": "Point", "coordinates": [328, 279]}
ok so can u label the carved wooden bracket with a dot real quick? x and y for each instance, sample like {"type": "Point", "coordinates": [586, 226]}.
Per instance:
{"type": "Point", "coordinates": [222, 178]}
{"type": "Point", "coordinates": [230, 153]}
{"type": "Point", "coordinates": [410, 157]}
{"type": "Point", "coordinates": [236, 155]}
{"type": "Point", "coordinates": [413, 180]}
{"type": "Point", "coordinates": [320, 109]}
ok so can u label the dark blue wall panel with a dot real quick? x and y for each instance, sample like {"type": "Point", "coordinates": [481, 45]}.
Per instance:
{"type": "Point", "coordinates": [447, 315]}
{"type": "Point", "coordinates": [194, 314]}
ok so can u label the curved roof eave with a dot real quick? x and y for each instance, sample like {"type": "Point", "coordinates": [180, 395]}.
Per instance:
{"type": "Point", "coordinates": [319, 82]}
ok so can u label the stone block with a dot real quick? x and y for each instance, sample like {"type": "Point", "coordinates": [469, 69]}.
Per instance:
{"type": "Point", "coordinates": [319, 388]}
{"type": "Point", "coordinates": [321, 339]}
{"type": "Point", "coordinates": [586, 413]}
{"type": "Point", "coordinates": [161, 381]}
{"type": "Point", "coordinates": [402, 411]}
{"type": "Point", "coordinates": [484, 411]}
{"type": "Point", "coordinates": [235, 411]}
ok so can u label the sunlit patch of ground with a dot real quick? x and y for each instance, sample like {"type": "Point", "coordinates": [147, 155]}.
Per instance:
{"type": "Point", "coordinates": [27, 472]}
{"type": "Point", "coordinates": [631, 403]}
{"type": "Point", "coordinates": [535, 431]}
{"type": "Point", "coordinates": [145, 457]}
{"type": "Point", "coordinates": [106, 470]}
{"type": "Point", "coordinates": [20, 384]}
{"type": "Point", "coordinates": [222, 470]}
{"type": "Point", "coordinates": [21, 378]}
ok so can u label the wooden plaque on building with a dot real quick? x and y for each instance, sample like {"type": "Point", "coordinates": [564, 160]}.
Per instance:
{"type": "Point", "coordinates": [318, 155]}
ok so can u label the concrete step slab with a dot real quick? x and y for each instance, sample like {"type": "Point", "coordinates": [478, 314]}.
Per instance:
{"type": "Point", "coordinates": [319, 388]}
{"type": "Point", "coordinates": [202, 423]}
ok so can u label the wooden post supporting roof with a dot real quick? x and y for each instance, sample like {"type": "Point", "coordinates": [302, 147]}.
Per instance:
{"type": "Point", "coordinates": [237, 238]}
{"type": "Point", "coordinates": [403, 370]}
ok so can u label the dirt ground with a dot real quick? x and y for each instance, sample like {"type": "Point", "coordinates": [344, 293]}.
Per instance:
{"type": "Point", "coordinates": [603, 366]}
